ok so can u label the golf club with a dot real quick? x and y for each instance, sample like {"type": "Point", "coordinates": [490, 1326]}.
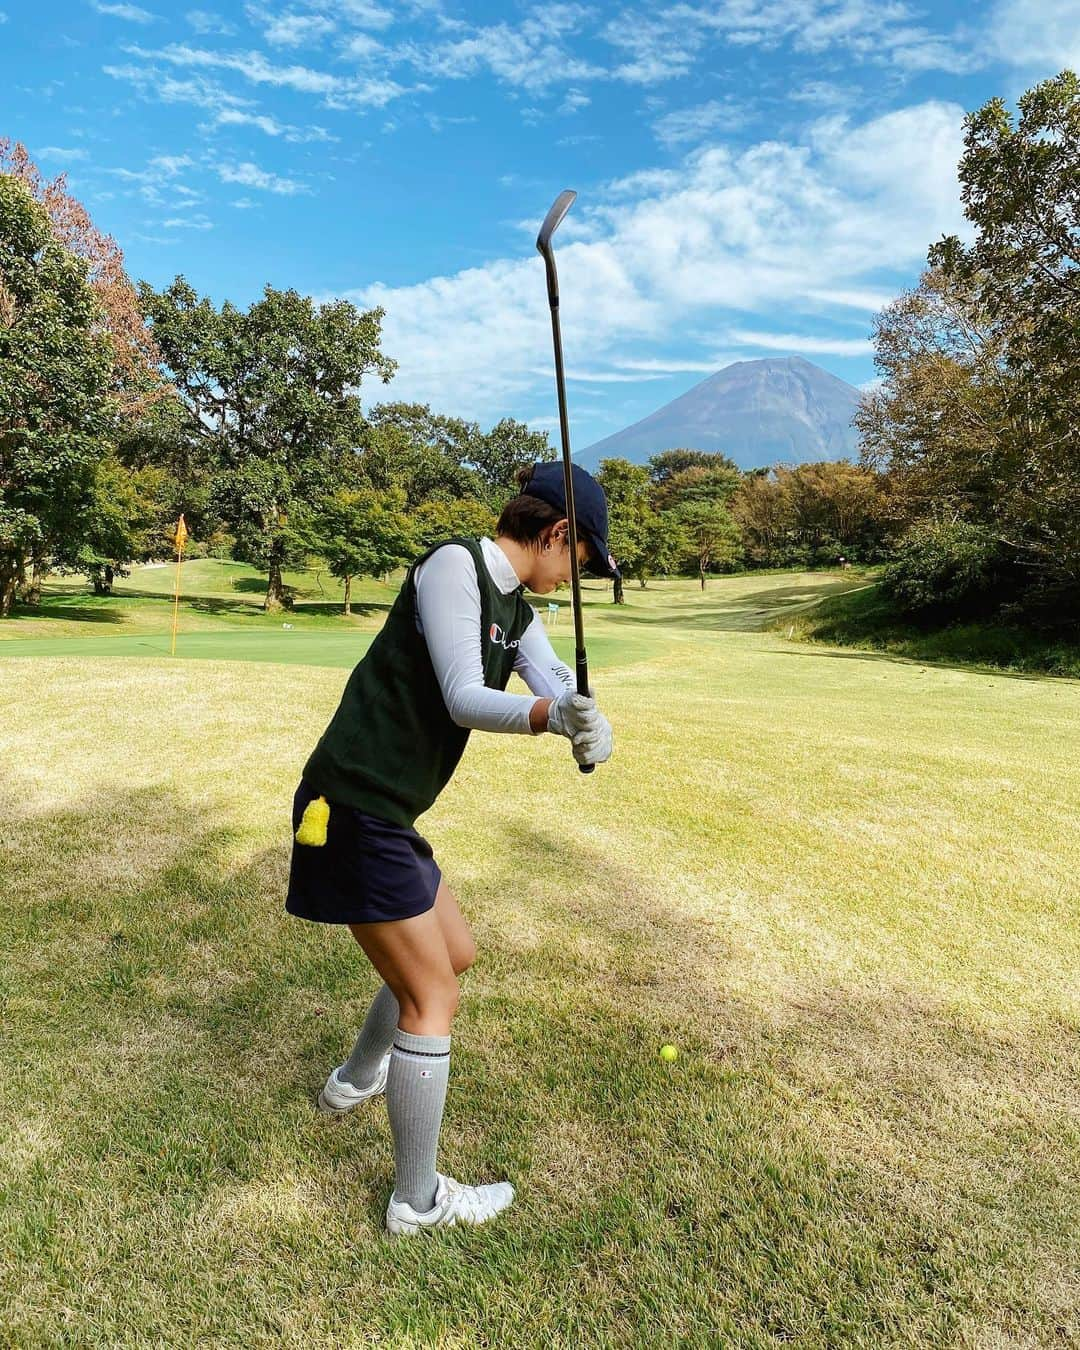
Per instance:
{"type": "Point", "coordinates": [552, 220]}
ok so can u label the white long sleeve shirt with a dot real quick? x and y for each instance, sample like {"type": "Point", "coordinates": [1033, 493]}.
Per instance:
{"type": "Point", "coordinates": [448, 605]}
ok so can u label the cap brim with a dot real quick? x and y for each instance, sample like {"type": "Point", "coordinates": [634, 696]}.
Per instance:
{"type": "Point", "coordinates": [602, 564]}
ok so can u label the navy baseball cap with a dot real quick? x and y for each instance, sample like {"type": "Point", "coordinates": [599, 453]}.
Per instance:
{"type": "Point", "coordinates": [548, 482]}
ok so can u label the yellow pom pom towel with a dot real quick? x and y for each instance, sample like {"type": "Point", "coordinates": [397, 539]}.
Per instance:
{"type": "Point", "coordinates": [313, 824]}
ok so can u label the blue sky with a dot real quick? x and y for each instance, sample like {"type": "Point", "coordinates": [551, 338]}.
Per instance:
{"type": "Point", "coordinates": [755, 177]}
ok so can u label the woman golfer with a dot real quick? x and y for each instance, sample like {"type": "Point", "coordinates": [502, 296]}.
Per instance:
{"type": "Point", "coordinates": [438, 669]}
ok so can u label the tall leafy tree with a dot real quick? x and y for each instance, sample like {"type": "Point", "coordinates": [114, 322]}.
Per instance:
{"type": "Point", "coordinates": [979, 416]}
{"type": "Point", "coordinates": [134, 356]}
{"type": "Point", "coordinates": [57, 403]}
{"type": "Point", "coordinates": [497, 456]}
{"type": "Point", "coordinates": [358, 531]}
{"type": "Point", "coordinates": [714, 482]}
{"type": "Point", "coordinates": [668, 463]}
{"type": "Point", "coordinates": [712, 534]}
{"type": "Point", "coordinates": [434, 520]}
{"type": "Point", "coordinates": [275, 390]}
{"type": "Point", "coordinates": [425, 454]}
{"type": "Point", "coordinates": [628, 489]}
{"type": "Point", "coordinates": [120, 522]}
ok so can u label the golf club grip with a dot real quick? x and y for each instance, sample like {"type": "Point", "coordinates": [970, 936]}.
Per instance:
{"type": "Point", "coordinates": [583, 689]}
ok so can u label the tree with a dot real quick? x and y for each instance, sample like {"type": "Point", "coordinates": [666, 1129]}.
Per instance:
{"type": "Point", "coordinates": [135, 380]}
{"type": "Point", "coordinates": [664, 545]}
{"type": "Point", "coordinates": [498, 455]}
{"type": "Point", "coordinates": [358, 531]}
{"type": "Point", "coordinates": [712, 534]}
{"type": "Point", "coordinates": [978, 417]}
{"type": "Point", "coordinates": [715, 482]}
{"type": "Point", "coordinates": [434, 520]}
{"type": "Point", "coordinates": [1021, 190]}
{"type": "Point", "coordinates": [627, 489]}
{"type": "Point", "coordinates": [765, 513]}
{"type": "Point", "coordinates": [119, 522]}
{"type": "Point", "coordinates": [406, 445]}
{"type": "Point", "coordinates": [668, 463]}
{"type": "Point", "coordinates": [56, 388]}
{"type": "Point", "coordinates": [275, 392]}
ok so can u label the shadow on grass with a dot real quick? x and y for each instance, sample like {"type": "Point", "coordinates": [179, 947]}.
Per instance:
{"type": "Point", "coordinates": [76, 613]}
{"type": "Point", "coordinates": [842, 1160]}
{"type": "Point", "coordinates": [825, 652]}
{"type": "Point", "coordinates": [741, 613]}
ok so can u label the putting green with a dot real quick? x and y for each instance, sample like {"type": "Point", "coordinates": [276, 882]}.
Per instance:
{"type": "Point", "coordinates": [299, 647]}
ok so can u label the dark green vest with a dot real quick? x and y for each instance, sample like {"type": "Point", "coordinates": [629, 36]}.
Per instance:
{"type": "Point", "coordinates": [391, 747]}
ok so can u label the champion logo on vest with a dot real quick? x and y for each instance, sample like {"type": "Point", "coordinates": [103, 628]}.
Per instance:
{"type": "Point", "coordinates": [498, 635]}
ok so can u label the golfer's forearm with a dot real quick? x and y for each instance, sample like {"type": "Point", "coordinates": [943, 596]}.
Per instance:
{"type": "Point", "coordinates": [538, 714]}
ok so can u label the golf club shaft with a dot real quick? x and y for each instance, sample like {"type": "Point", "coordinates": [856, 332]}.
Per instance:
{"type": "Point", "coordinates": [544, 243]}
{"type": "Point", "coordinates": [581, 661]}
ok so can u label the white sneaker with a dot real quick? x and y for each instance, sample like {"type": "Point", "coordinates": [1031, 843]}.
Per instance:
{"type": "Point", "coordinates": [454, 1204]}
{"type": "Point", "coordinates": [339, 1096]}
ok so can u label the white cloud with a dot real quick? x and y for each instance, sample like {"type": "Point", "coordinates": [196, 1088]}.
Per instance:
{"type": "Point", "coordinates": [824, 92]}
{"type": "Point", "coordinates": [270, 125]}
{"type": "Point", "coordinates": [187, 223]}
{"type": "Point", "coordinates": [667, 254]}
{"type": "Point", "coordinates": [675, 366]}
{"type": "Point", "coordinates": [204, 22]}
{"type": "Point", "coordinates": [801, 342]}
{"type": "Point", "coordinates": [871, 301]}
{"type": "Point", "coordinates": [291, 30]}
{"type": "Point", "coordinates": [877, 31]}
{"type": "Point", "coordinates": [688, 125]}
{"type": "Point", "coordinates": [152, 84]}
{"type": "Point", "coordinates": [601, 376]}
{"type": "Point", "coordinates": [361, 47]}
{"type": "Point", "coordinates": [58, 152]}
{"type": "Point", "coordinates": [337, 91]}
{"type": "Point", "coordinates": [158, 169]}
{"type": "Point", "coordinates": [532, 56]}
{"type": "Point", "coordinates": [573, 101]}
{"type": "Point", "coordinates": [250, 175]}
{"type": "Point", "coordinates": [1037, 33]}
{"type": "Point", "coordinates": [364, 13]}
{"type": "Point", "coordinates": [161, 171]}
{"type": "Point", "coordinates": [132, 13]}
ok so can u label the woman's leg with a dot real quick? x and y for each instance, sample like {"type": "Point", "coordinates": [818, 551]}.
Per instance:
{"type": "Point", "coordinates": [362, 1067]}
{"type": "Point", "coordinates": [414, 958]}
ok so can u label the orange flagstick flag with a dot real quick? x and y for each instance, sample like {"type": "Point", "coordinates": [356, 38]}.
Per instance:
{"type": "Point", "coordinates": [179, 540]}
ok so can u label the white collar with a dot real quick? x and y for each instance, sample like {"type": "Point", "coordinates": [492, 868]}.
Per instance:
{"type": "Point", "coordinates": [500, 567]}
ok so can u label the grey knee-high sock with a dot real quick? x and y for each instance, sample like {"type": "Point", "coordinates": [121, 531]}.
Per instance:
{"type": "Point", "coordinates": [415, 1095]}
{"type": "Point", "coordinates": [376, 1035]}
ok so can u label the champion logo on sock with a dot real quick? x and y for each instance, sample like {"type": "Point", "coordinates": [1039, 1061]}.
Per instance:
{"type": "Point", "coordinates": [425, 1073]}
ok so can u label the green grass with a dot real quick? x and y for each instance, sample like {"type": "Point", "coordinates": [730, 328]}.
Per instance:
{"type": "Point", "coordinates": [866, 619]}
{"type": "Point", "coordinates": [843, 885]}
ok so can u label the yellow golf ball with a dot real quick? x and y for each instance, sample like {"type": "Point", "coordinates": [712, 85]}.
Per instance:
{"type": "Point", "coordinates": [668, 1052]}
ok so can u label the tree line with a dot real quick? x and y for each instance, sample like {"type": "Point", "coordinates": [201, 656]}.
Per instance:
{"type": "Point", "coordinates": [122, 406]}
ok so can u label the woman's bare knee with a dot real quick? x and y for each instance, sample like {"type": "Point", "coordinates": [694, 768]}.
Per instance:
{"type": "Point", "coordinates": [463, 955]}
{"type": "Point", "coordinates": [428, 1011]}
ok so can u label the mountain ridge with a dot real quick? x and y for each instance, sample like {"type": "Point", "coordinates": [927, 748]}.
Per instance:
{"type": "Point", "coordinates": [777, 409]}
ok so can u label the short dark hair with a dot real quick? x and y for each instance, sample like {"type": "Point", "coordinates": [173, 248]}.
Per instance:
{"type": "Point", "coordinates": [525, 518]}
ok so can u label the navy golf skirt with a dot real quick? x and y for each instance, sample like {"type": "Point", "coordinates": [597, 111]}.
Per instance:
{"type": "Point", "coordinates": [368, 871]}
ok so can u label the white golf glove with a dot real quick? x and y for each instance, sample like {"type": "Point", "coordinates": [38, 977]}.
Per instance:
{"type": "Point", "coordinates": [593, 746]}
{"type": "Point", "coordinates": [571, 713]}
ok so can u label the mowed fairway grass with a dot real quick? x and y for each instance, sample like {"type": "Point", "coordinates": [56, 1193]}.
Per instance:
{"type": "Point", "coordinates": [844, 885]}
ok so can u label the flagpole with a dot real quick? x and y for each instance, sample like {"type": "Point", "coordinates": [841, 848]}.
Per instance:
{"type": "Point", "coordinates": [181, 535]}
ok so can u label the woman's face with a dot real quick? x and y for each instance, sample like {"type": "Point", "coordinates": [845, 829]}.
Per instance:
{"type": "Point", "coordinates": [552, 564]}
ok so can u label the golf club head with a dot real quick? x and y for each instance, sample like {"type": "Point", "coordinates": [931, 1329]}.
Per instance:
{"type": "Point", "coordinates": [559, 207]}
{"type": "Point", "coordinates": [552, 221]}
